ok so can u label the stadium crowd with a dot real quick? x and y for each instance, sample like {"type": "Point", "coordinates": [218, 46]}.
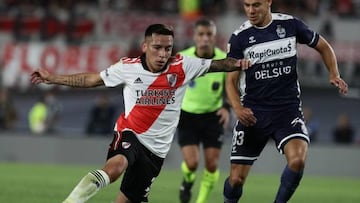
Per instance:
{"type": "Point", "coordinates": [75, 21]}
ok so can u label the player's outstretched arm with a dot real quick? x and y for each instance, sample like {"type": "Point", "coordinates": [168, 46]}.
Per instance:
{"type": "Point", "coordinates": [229, 64]}
{"type": "Point", "coordinates": [84, 80]}
{"type": "Point", "coordinates": [328, 55]}
{"type": "Point", "coordinates": [243, 114]}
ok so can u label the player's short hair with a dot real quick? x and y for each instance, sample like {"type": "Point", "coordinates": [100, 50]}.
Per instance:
{"type": "Point", "coordinates": [205, 22]}
{"type": "Point", "coordinates": [160, 29]}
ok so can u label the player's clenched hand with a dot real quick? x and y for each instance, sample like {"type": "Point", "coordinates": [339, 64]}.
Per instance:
{"type": "Point", "coordinates": [245, 116]}
{"type": "Point", "coordinates": [244, 64]}
{"type": "Point", "coordinates": [340, 84]}
{"type": "Point", "coordinates": [40, 76]}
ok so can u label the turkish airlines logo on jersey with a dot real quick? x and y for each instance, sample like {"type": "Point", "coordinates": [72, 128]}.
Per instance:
{"type": "Point", "coordinates": [172, 79]}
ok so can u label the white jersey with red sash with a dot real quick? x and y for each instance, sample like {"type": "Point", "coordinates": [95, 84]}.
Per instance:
{"type": "Point", "coordinates": [153, 100]}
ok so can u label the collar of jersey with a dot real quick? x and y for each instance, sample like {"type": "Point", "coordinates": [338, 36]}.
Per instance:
{"type": "Point", "coordinates": [143, 63]}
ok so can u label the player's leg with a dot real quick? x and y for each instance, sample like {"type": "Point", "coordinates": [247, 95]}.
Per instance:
{"type": "Point", "coordinates": [139, 176]}
{"type": "Point", "coordinates": [116, 163]}
{"type": "Point", "coordinates": [247, 144]}
{"type": "Point", "coordinates": [211, 136]}
{"type": "Point", "coordinates": [188, 140]}
{"type": "Point", "coordinates": [191, 156]}
{"type": "Point", "coordinates": [295, 151]}
{"type": "Point", "coordinates": [121, 198]}
{"type": "Point", "coordinates": [233, 185]}
{"type": "Point", "coordinates": [291, 139]}
{"type": "Point", "coordinates": [210, 174]}
{"type": "Point", "coordinates": [189, 166]}
{"type": "Point", "coordinates": [92, 182]}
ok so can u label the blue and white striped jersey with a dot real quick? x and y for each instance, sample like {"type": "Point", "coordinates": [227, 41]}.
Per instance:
{"type": "Point", "coordinates": [271, 82]}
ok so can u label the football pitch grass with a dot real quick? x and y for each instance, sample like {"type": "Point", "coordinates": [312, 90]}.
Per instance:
{"type": "Point", "coordinates": [40, 183]}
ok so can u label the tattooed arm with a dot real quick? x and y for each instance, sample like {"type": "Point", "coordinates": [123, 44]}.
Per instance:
{"type": "Point", "coordinates": [84, 80]}
{"type": "Point", "coordinates": [229, 64]}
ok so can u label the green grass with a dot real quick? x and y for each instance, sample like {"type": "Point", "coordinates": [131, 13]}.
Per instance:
{"type": "Point", "coordinates": [37, 183]}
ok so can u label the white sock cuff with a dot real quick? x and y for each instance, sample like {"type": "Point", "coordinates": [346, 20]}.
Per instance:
{"type": "Point", "coordinates": [105, 176]}
{"type": "Point", "coordinates": [101, 177]}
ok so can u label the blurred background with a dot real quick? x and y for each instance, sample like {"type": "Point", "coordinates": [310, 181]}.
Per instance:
{"type": "Point", "coordinates": [68, 36]}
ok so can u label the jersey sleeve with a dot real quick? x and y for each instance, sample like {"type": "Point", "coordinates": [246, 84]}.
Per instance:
{"type": "Point", "coordinates": [304, 34]}
{"type": "Point", "coordinates": [234, 48]}
{"type": "Point", "coordinates": [195, 67]}
{"type": "Point", "coordinates": [113, 76]}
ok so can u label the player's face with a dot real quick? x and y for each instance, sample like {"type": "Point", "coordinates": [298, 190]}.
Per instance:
{"type": "Point", "coordinates": [158, 49]}
{"type": "Point", "coordinates": [258, 11]}
{"type": "Point", "coordinates": [204, 38]}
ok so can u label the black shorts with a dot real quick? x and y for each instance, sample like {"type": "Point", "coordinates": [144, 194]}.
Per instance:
{"type": "Point", "coordinates": [200, 128]}
{"type": "Point", "coordinates": [281, 126]}
{"type": "Point", "coordinates": [143, 166]}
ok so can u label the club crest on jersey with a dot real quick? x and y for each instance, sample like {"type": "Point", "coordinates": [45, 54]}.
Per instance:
{"type": "Point", "coordinates": [172, 78]}
{"type": "Point", "coordinates": [281, 32]}
{"type": "Point", "coordinates": [125, 145]}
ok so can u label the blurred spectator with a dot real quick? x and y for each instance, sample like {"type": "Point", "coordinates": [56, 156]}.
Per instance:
{"type": "Point", "coordinates": [213, 7]}
{"type": "Point", "coordinates": [44, 115]}
{"type": "Point", "coordinates": [190, 9]}
{"type": "Point", "coordinates": [343, 132]}
{"type": "Point", "coordinates": [134, 48]}
{"type": "Point", "coordinates": [311, 124]}
{"type": "Point", "coordinates": [344, 8]}
{"type": "Point", "coordinates": [24, 21]}
{"type": "Point", "coordinates": [102, 116]}
{"type": "Point", "coordinates": [8, 114]}
{"type": "Point", "coordinates": [37, 117]}
{"type": "Point", "coordinates": [54, 111]}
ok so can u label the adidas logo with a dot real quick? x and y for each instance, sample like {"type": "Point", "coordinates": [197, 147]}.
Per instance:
{"type": "Point", "coordinates": [138, 80]}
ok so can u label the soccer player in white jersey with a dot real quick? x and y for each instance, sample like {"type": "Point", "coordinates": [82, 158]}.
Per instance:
{"type": "Point", "coordinates": [154, 86]}
{"type": "Point", "coordinates": [267, 100]}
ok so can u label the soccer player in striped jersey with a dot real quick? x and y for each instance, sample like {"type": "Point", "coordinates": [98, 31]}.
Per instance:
{"type": "Point", "coordinates": [203, 117]}
{"type": "Point", "coordinates": [266, 98]}
{"type": "Point", "coordinates": [154, 86]}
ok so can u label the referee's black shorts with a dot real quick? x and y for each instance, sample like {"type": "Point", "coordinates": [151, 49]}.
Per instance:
{"type": "Point", "coordinates": [194, 129]}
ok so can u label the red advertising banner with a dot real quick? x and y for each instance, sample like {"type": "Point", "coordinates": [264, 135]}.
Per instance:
{"type": "Point", "coordinates": [19, 60]}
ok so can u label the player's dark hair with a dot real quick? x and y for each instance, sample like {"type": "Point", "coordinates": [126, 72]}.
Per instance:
{"type": "Point", "coordinates": [160, 29]}
{"type": "Point", "coordinates": [204, 22]}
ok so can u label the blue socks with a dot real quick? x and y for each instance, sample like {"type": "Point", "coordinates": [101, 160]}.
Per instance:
{"type": "Point", "coordinates": [288, 184]}
{"type": "Point", "coordinates": [231, 194]}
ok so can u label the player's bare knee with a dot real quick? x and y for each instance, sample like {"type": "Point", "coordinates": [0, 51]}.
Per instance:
{"type": "Point", "coordinates": [237, 180]}
{"type": "Point", "coordinates": [296, 164]}
{"type": "Point", "coordinates": [113, 172]}
{"type": "Point", "coordinates": [211, 167]}
{"type": "Point", "coordinates": [115, 166]}
{"type": "Point", "coordinates": [192, 164]}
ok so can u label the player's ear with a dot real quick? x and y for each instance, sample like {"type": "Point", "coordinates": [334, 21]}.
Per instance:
{"type": "Point", "coordinates": [144, 47]}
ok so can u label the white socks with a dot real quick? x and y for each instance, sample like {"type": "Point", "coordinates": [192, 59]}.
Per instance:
{"type": "Point", "coordinates": [89, 185]}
